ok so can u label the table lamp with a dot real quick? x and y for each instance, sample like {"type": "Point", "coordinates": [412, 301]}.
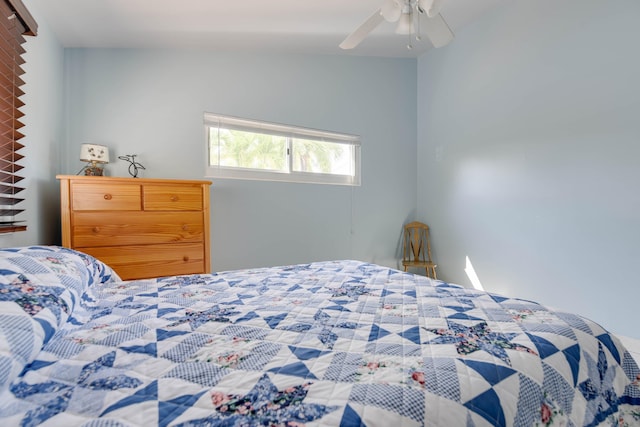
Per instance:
{"type": "Point", "coordinates": [94, 154]}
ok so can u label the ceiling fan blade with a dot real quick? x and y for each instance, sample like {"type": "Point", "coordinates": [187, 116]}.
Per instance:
{"type": "Point", "coordinates": [431, 7]}
{"type": "Point", "coordinates": [362, 31]}
{"type": "Point", "coordinates": [438, 31]}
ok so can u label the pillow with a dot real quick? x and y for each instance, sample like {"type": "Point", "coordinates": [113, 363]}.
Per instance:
{"type": "Point", "coordinates": [39, 288]}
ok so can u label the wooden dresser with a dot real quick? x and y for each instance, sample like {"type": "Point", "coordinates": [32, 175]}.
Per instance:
{"type": "Point", "coordinates": [140, 227]}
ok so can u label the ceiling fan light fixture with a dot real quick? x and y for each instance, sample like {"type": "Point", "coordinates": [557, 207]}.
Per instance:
{"type": "Point", "coordinates": [405, 24]}
{"type": "Point", "coordinates": [391, 11]}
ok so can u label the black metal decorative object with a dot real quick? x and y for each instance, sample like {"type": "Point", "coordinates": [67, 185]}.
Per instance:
{"type": "Point", "coordinates": [134, 166]}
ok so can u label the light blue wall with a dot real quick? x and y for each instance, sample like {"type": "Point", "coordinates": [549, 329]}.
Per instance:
{"type": "Point", "coordinates": [529, 154]}
{"type": "Point", "coordinates": [151, 103]}
{"type": "Point", "coordinates": [43, 134]}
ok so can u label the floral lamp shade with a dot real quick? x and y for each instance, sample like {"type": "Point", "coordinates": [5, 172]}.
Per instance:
{"type": "Point", "coordinates": [94, 154]}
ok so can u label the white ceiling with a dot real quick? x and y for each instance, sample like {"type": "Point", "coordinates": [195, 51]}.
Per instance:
{"type": "Point", "coordinates": [292, 26]}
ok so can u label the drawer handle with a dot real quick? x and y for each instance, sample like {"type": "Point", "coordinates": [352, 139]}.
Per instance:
{"type": "Point", "coordinates": [173, 198]}
{"type": "Point", "coordinates": [96, 229]}
{"type": "Point", "coordinates": [185, 258]}
{"type": "Point", "coordinates": [108, 196]}
{"type": "Point", "coordinates": [185, 227]}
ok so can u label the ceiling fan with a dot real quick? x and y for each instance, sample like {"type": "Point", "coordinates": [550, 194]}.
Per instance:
{"type": "Point", "coordinates": [408, 14]}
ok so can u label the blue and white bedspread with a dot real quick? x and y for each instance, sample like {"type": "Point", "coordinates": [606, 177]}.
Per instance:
{"type": "Point", "coordinates": [341, 343]}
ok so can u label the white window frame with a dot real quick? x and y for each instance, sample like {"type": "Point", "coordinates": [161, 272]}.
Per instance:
{"type": "Point", "coordinates": [217, 121]}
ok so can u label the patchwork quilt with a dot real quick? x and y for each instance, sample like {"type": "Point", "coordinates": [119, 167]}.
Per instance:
{"type": "Point", "coordinates": [339, 343]}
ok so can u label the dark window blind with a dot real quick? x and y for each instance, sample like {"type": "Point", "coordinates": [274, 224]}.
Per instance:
{"type": "Point", "coordinates": [15, 22]}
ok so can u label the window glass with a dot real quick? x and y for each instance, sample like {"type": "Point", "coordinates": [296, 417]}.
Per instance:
{"type": "Point", "coordinates": [248, 149]}
{"type": "Point", "coordinates": [322, 157]}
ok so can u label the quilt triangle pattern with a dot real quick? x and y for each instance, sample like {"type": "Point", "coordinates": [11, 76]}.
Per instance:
{"type": "Point", "coordinates": [147, 394]}
{"type": "Point", "coordinates": [297, 369]}
{"type": "Point", "coordinates": [377, 332]}
{"type": "Point", "coordinates": [492, 373]}
{"type": "Point", "coordinates": [172, 409]}
{"type": "Point", "coordinates": [350, 418]}
{"type": "Point", "coordinates": [304, 353]}
{"type": "Point", "coordinates": [274, 321]}
{"type": "Point", "coordinates": [489, 407]}
{"type": "Point", "coordinates": [544, 347]}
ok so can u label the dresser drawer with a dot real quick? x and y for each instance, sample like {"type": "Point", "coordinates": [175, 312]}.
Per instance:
{"type": "Point", "coordinates": [146, 261]}
{"type": "Point", "coordinates": [106, 196]}
{"type": "Point", "coordinates": [136, 228]}
{"type": "Point", "coordinates": [172, 198]}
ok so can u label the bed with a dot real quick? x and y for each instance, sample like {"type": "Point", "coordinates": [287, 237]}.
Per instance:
{"type": "Point", "coordinates": [338, 343]}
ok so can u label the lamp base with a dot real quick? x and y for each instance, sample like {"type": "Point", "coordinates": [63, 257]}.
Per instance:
{"type": "Point", "coordinates": [93, 171]}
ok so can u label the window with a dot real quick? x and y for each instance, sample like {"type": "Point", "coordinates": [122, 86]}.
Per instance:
{"type": "Point", "coordinates": [248, 149]}
{"type": "Point", "coordinates": [16, 22]}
